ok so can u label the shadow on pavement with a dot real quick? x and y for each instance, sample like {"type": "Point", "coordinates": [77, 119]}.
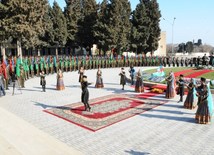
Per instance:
{"type": "Point", "coordinates": [118, 91]}
{"type": "Point", "coordinates": [172, 112]}
{"type": "Point", "coordinates": [132, 152]}
{"type": "Point", "coordinates": [182, 119]}
{"type": "Point", "coordinates": [47, 88]}
{"type": "Point", "coordinates": [45, 106]}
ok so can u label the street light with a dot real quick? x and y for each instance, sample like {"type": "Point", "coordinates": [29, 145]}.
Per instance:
{"type": "Point", "coordinates": [172, 31]}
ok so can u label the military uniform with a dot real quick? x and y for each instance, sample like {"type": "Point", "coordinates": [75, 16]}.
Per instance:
{"type": "Point", "coordinates": [182, 62]}
{"type": "Point", "coordinates": [22, 77]}
{"type": "Point", "coordinates": [177, 62]}
{"type": "Point", "coordinates": [173, 61]}
{"type": "Point", "coordinates": [186, 62]}
{"type": "Point", "coordinates": [37, 68]}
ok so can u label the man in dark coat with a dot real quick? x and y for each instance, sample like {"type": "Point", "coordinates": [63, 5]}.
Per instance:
{"type": "Point", "coordinates": [177, 62]}
{"type": "Point", "coordinates": [13, 78]}
{"type": "Point", "coordinates": [211, 57]}
{"type": "Point", "coordinates": [85, 93]}
{"type": "Point", "coordinates": [181, 87]}
{"type": "Point", "coordinates": [132, 73]}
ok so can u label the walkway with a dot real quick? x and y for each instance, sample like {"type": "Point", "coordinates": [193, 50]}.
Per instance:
{"type": "Point", "coordinates": [26, 129]}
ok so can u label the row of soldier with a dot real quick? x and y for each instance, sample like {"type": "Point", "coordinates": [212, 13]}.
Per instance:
{"type": "Point", "coordinates": [189, 62]}
{"type": "Point", "coordinates": [30, 66]}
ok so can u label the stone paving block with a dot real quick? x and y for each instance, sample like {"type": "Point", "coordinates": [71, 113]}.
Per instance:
{"type": "Point", "coordinates": [154, 132]}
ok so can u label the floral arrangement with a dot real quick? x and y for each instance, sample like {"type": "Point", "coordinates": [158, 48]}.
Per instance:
{"type": "Point", "coordinates": [205, 67]}
{"type": "Point", "coordinates": [157, 90]}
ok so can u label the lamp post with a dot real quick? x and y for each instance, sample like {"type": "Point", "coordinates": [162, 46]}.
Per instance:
{"type": "Point", "coordinates": [172, 31]}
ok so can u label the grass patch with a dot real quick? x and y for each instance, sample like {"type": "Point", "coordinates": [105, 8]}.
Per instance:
{"type": "Point", "coordinates": [209, 75]}
{"type": "Point", "coordinates": [178, 69]}
{"type": "Point", "coordinates": [167, 70]}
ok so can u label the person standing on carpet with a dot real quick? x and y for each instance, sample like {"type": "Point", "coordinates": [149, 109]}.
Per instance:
{"type": "Point", "coordinates": [139, 82]}
{"type": "Point", "coordinates": [122, 78]}
{"type": "Point", "coordinates": [181, 83]}
{"type": "Point", "coordinates": [81, 72]}
{"type": "Point", "coordinates": [190, 102]}
{"type": "Point", "coordinates": [85, 93]}
{"type": "Point", "coordinates": [99, 81]}
{"type": "Point", "coordinates": [170, 90]}
{"type": "Point", "coordinates": [60, 82]}
{"type": "Point", "coordinates": [205, 103]}
{"type": "Point", "coordinates": [132, 71]}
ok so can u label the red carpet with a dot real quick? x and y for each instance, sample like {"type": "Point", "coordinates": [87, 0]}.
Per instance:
{"type": "Point", "coordinates": [182, 72]}
{"type": "Point", "coordinates": [147, 95]}
{"type": "Point", "coordinates": [105, 111]}
{"type": "Point", "coordinates": [199, 73]}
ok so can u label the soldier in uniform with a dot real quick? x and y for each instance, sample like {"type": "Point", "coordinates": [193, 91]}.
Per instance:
{"type": "Point", "coordinates": [31, 61]}
{"type": "Point", "coordinates": [37, 66]}
{"type": "Point", "coordinates": [186, 62]}
{"type": "Point", "coordinates": [41, 64]}
{"type": "Point", "coordinates": [198, 61]}
{"type": "Point", "coordinates": [47, 62]}
{"type": "Point", "coordinates": [79, 63]}
{"type": "Point", "coordinates": [191, 62]}
{"type": "Point", "coordinates": [164, 61]}
{"type": "Point", "coordinates": [169, 61]}
{"type": "Point", "coordinates": [103, 62]}
{"type": "Point", "coordinates": [173, 61]}
{"type": "Point", "coordinates": [106, 62]}
{"type": "Point", "coordinates": [74, 63]}
{"type": "Point", "coordinates": [206, 60]}
{"type": "Point", "coordinates": [61, 62]}
{"type": "Point", "coordinates": [66, 64]}
{"type": "Point", "coordinates": [177, 62]}
{"type": "Point", "coordinates": [69, 64]}
{"type": "Point", "coordinates": [86, 63]}
{"type": "Point", "coordinates": [51, 65]}
{"type": "Point", "coordinates": [100, 62]}
{"type": "Point", "coordinates": [153, 61]}
{"type": "Point", "coordinates": [22, 77]}
{"type": "Point", "coordinates": [114, 63]}
{"type": "Point", "coordinates": [182, 61]}
{"type": "Point", "coordinates": [90, 62]}
{"type": "Point", "coordinates": [27, 68]}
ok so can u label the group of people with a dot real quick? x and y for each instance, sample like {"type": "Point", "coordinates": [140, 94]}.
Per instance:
{"type": "Point", "coordinates": [188, 62]}
{"type": "Point", "coordinates": [199, 95]}
{"type": "Point", "coordinates": [139, 87]}
{"type": "Point", "coordinates": [29, 66]}
{"type": "Point", "coordinates": [20, 69]}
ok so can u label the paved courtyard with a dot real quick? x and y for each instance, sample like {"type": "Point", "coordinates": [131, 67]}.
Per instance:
{"type": "Point", "coordinates": [168, 129]}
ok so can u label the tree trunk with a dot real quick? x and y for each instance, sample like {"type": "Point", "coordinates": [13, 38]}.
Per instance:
{"type": "Point", "coordinates": [3, 52]}
{"type": "Point", "coordinates": [56, 51]}
{"type": "Point", "coordinates": [19, 49]}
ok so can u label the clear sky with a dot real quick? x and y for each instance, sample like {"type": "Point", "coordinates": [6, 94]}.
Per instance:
{"type": "Point", "coordinates": [194, 19]}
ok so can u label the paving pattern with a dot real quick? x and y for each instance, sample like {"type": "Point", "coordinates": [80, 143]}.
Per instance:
{"type": "Point", "coordinates": [167, 129]}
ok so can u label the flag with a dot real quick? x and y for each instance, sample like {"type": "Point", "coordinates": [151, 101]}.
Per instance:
{"type": "Point", "coordinates": [161, 68]}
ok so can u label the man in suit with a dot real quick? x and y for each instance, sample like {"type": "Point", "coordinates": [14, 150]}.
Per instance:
{"type": "Point", "coordinates": [181, 83]}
